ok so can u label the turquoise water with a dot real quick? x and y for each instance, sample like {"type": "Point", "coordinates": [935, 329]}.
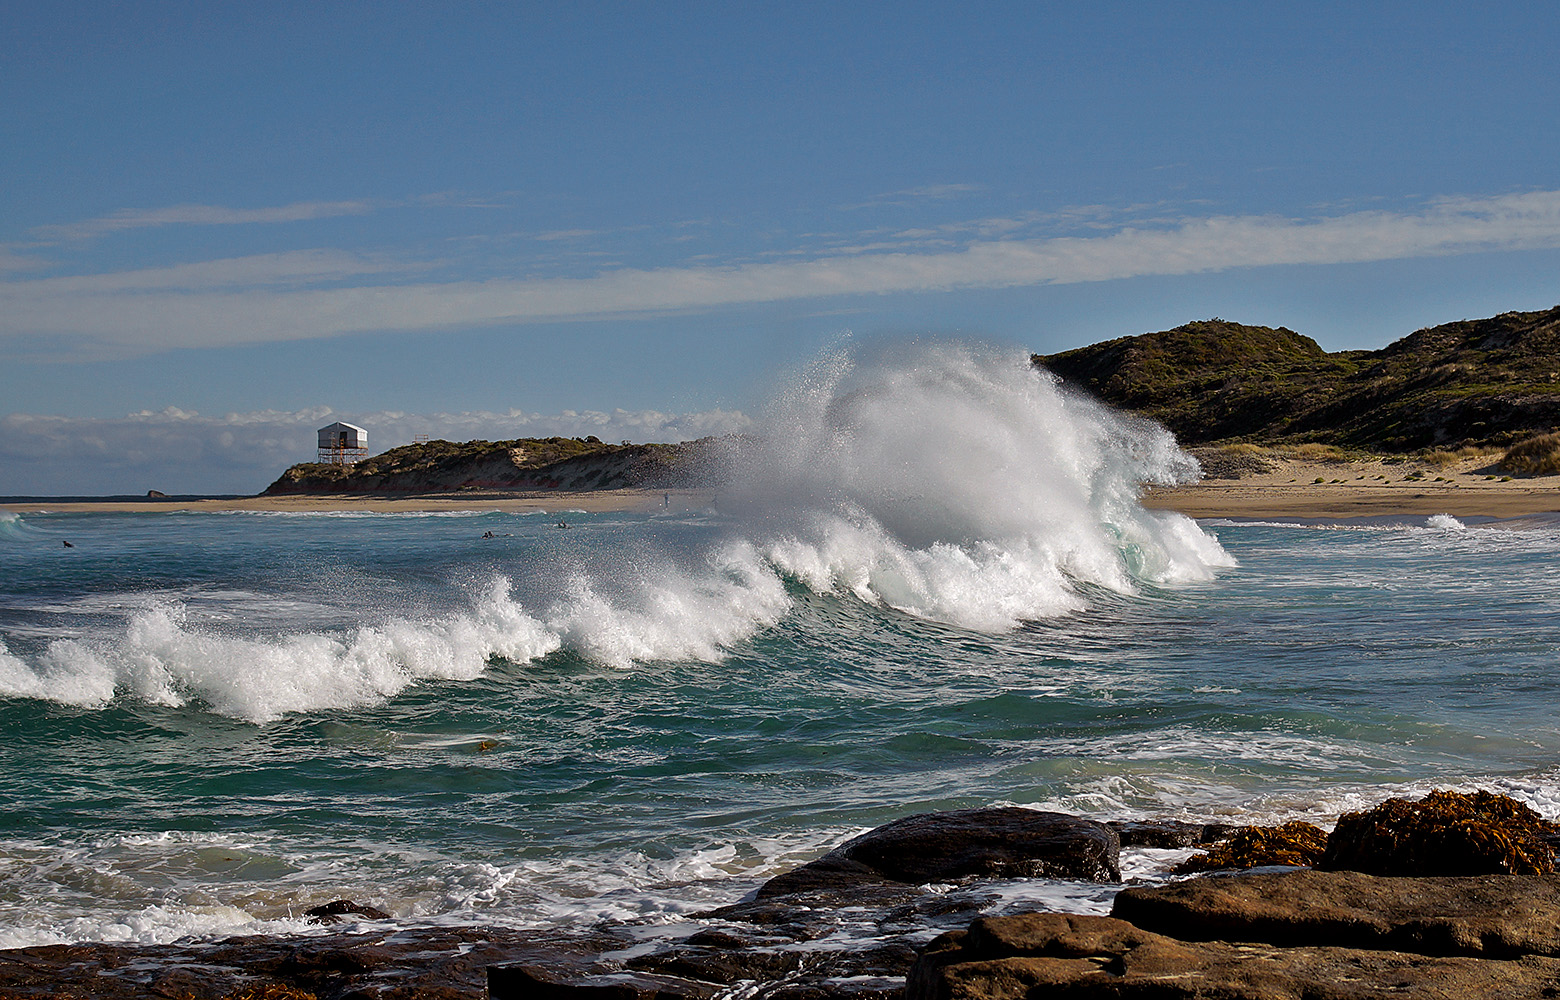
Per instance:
{"type": "Point", "coordinates": [932, 589]}
{"type": "Point", "coordinates": [1330, 666]}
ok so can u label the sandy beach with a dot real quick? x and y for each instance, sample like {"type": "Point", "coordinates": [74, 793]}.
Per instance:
{"type": "Point", "coordinates": [1293, 488]}
{"type": "Point", "coordinates": [1469, 487]}
{"type": "Point", "coordinates": [552, 501]}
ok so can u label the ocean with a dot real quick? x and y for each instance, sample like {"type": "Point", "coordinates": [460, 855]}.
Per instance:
{"type": "Point", "coordinates": [926, 584]}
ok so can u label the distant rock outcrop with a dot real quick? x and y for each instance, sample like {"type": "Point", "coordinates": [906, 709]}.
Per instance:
{"type": "Point", "coordinates": [526, 463]}
{"type": "Point", "coordinates": [1489, 381]}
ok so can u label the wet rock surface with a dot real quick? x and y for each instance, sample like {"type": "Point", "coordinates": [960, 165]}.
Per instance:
{"type": "Point", "coordinates": [1070, 955]}
{"type": "Point", "coordinates": [847, 926]}
{"type": "Point", "coordinates": [338, 910]}
{"type": "Point", "coordinates": [851, 925]}
{"type": "Point", "coordinates": [433, 963]}
{"type": "Point", "coordinates": [947, 846]}
{"type": "Point", "coordinates": [1169, 833]}
{"type": "Point", "coordinates": [1494, 916]}
{"type": "Point", "coordinates": [1302, 934]}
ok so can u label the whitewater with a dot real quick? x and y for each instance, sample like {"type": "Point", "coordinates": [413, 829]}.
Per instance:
{"type": "Point", "coordinates": [926, 582]}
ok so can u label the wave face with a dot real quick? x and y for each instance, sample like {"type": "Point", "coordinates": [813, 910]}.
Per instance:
{"type": "Point", "coordinates": [958, 483]}
{"type": "Point", "coordinates": [951, 482]}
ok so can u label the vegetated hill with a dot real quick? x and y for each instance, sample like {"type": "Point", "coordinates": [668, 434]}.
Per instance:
{"type": "Point", "coordinates": [524, 463]}
{"type": "Point", "coordinates": [1473, 382]}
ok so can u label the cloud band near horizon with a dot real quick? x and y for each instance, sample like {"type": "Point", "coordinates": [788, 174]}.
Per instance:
{"type": "Point", "coordinates": [278, 298]}
{"type": "Point", "coordinates": [181, 451]}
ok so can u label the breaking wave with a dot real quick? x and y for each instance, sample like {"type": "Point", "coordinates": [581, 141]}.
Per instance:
{"type": "Point", "coordinates": [951, 482]}
{"type": "Point", "coordinates": [959, 483]}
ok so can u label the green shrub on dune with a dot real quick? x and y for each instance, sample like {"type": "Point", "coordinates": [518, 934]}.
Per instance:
{"type": "Point", "coordinates": [1535, 456]}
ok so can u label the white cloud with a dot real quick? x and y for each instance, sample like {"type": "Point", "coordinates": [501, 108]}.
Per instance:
{"type": "Point", "coordinates": [293, 267]}
{"type": "Point", "coordinates": [160, 309]}
{"type": "Point", "coordinates": [180, 451]}
{"type": "Point", "coordinates": [198, 215]}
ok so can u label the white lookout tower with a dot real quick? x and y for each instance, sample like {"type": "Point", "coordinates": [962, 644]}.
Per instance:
{"type": "Point", "coordinates": [343, 444]}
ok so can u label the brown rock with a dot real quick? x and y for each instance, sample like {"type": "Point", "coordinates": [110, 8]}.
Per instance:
{"type": "Point", "coordinates": [1062, 955]}
{"type": "Point", "coordinates": [1494, 916]}
{"type": "Point", "coordinates": [1445, 833]}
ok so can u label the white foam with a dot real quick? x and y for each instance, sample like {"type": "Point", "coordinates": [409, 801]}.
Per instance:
{"type": "Point", "coordinates": [667, 613]}
{"type": "Point", "coordinates": [958, 483]}
{"type": "Point", "coordinates": [161, 660]}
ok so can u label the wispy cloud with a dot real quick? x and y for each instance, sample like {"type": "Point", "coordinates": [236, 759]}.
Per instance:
{"type": "Point", "coordinates": [294, 267]}
{"type": "Point", "coordinates": [915, 195]}
{"type": "Point", "coordinates": [10, 260]}
{"type": "Point", "coordinates": [156, 311]}
{"type": "Point", "coordinates": [198, 215]}
{"type": "Point", "coordinates": [566, 234]}
{"type": "Point", "coordinates": [180, 451]}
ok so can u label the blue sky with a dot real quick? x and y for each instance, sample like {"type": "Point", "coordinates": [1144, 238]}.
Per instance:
{"type": "Point", "coordinates": [224, 222]}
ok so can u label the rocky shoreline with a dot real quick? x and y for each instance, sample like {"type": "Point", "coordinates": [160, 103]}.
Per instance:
{"type": "Point", "coordinates": [1471, 908]}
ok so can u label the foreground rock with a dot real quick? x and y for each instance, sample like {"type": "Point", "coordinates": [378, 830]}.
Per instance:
{"type": "Point", "coordinates": [388, 964]}
{"type": "Point", "coordinates": [1055, 954]}
{"type": "Point", "coordinates": [1304, 934]}
{"type": "Point", "coordinates": [848, 926]}
{"type": "Point", "coordinates": [871, 890]}
{"type": "Point", "coordinates": [946, 846]}
{"type": "Point", "coordinates": [1495, 916]}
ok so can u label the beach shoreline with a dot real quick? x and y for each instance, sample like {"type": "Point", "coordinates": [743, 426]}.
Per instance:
{"type": "Point", "coordinates": [1296, 488]}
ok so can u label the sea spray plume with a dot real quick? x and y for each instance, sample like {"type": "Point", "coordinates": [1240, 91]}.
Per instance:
{"type": "Point", "coordinates": [957, 482]}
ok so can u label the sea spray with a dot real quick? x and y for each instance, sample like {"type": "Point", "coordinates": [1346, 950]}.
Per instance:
{"type": "Point", "coordinates": [958, 482]}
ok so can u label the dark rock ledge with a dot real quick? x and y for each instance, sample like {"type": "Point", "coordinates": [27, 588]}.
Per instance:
{"type": "Point", "coordinates": [908, 898]}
